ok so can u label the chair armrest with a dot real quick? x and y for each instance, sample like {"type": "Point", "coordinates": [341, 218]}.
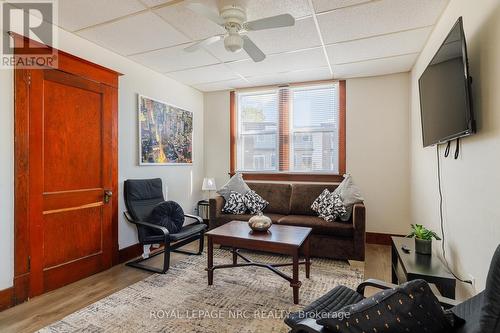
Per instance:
{"type": "Point", "coordinates": [146, 224]}
{"type": "Point", "coordinates": [216, 205]}
{"type": "Point", "coordinates": [374, 283]}
{"type": "Point", "coordinates": [444, 301]}
{"type": "Point", "coordinates": [447, 303]}
{"type": "Point", "coordinates": [359, 225]}
{"type": "Point", "coordinates": [194, 217]}
{"type": "Point", "coordinates": [359, 217]}
{"type": "Point", "coordinates": [309, 325]}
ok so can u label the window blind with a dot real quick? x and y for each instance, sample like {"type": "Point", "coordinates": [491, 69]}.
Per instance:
{"type": "Point", "coordinates": [257, 144]}
{"type": "Point", "coordinates": [288, 129]}
{"type": "Point", "coordinates": [314, 135]}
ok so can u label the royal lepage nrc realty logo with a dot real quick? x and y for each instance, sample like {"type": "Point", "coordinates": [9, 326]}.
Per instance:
{"type": "Point", "coordinates": [35, 20]}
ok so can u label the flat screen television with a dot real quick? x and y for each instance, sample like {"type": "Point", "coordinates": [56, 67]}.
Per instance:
{"type": "Point", "coordinates": [445, 94]}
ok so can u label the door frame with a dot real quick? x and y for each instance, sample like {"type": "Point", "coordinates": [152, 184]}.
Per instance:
{"type": "Point", "coordinates": [22, 80]}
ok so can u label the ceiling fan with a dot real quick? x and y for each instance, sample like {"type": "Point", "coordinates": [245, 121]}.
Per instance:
{"type": "Point", "coordinates": [233, 19]}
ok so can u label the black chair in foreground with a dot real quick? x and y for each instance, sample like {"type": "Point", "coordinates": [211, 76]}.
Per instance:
{"type": "Point", "coordinates": [141, 197]}
{"type": "Point", "coordinates": [481, 313]}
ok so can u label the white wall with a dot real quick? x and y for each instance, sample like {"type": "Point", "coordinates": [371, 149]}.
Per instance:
{"type": "Point", "coordinates": [377, 146]}
{"type": "Point", "coordinates": [377, 138]}
{"type": "Point", "coordinates": [182, 182]}
{"type": "Point", "coordinates": [471, 184]}
{"type": "Point", "coordinates": [217, 136]}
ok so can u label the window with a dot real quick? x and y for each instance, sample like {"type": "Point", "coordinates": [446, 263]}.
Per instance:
{"type": "Point", "coordinates": [295, 132]}
{"type": "Point", "coordinates": [258, 131]}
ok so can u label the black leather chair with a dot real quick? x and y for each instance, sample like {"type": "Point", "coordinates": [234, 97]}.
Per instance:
{"type": "Point", "coordinates": [481, 312]}
{"type": "Point", "coordinates": [141, 196]}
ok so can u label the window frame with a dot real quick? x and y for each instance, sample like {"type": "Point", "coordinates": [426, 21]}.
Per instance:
{"type": "Point", "coordinates": [283, 139]}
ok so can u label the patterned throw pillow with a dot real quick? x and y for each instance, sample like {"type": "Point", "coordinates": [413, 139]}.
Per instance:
{"type": "Point", "coordinates": [339, 209]}
{"type": "Point", "coordinates": [410, 307]}
{"type": "Point", "coordinates": [329, 206]}
{"type": "Point", "coordinates": [322, 203]}
{"type": "Point", "coordinates": [254, 202]}
{"type": "Point", "coordinates": [235, 204]}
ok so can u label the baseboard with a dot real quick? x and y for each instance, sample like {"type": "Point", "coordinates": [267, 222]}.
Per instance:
{"type": "Point", "coordinates": [379, 238]}
{"type": "Point", "coordinates": [6, 298]}
{"type": "Point", "coordinates": [129, 252]}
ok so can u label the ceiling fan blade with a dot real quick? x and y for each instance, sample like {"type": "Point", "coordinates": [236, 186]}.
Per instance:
{"type": "Point", "coordinates": [205, 11]}
{"type": "Point", "coordinates": [253, 51]}
{"type": "Point", "coordinates": [278, 21]}
{"type": "Point", "coordinates": [202, 43]}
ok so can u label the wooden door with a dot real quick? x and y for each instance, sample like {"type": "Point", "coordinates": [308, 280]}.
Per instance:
{"type": "Point", "coordinates": [70, 184]}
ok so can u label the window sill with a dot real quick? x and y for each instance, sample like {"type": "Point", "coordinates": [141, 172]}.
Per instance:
{"type": "Point", "coordinates": [298, 177]}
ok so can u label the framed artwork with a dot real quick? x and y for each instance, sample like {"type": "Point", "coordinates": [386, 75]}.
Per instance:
{"type": "Point", "coordinates": [165, 133]}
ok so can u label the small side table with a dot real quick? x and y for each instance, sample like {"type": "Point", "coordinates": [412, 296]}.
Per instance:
{"type": "Point", "coordinates": [204, 210]}
{"type": "Point", "coordinates": [412, 266]}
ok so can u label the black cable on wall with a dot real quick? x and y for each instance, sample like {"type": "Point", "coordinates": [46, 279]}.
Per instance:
{"type": "Point", "coordinates": [441, 219]}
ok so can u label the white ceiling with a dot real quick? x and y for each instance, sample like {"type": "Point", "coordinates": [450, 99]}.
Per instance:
{"type": "Point", "coordinates": [331, 38]}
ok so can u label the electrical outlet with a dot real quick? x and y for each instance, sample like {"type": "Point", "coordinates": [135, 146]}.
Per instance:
{"type": "Point", "coordinates": [473, 280]}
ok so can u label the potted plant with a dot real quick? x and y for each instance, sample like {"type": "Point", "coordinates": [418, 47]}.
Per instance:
{"type": "Point", "coordinates": [423, 238]}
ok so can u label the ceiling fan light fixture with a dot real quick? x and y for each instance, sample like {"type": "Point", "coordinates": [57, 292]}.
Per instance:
{"type": "Point", "coordinates": [233, 43]}
{"type": "Point", "coordinates": [233, 16]}
{"type": "Point", "coordinates": [234, 20]}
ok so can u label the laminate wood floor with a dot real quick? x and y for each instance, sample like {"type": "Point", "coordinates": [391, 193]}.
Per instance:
{"type": "Point", "coordinates": [55, 305]}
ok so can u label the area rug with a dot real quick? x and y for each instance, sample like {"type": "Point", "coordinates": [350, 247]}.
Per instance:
{"type": "Point", "coordinates": [244, 299]}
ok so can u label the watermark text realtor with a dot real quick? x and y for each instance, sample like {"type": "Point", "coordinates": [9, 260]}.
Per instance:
{"type": "Point", "coordinates": [28, 28]}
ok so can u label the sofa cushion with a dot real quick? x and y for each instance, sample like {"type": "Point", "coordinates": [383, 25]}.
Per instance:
{"type": "Point", "coordinates": [235, 184]}
{"type": "Point", "coordinates": [254, 202]}
{"type": "Point", "coordinates": [328, 206]}
{"type": "Point", "coordinates": [318, 225]}
{"type": "Point", "coordinates": [350, 195]}
{"type": "Point", "coordinates": [235, 204]}
{"type": "Point", "coordinates": [323, 204]}
{"type": "Point", "coordinates": [303, 195]}
{"type": "Point", "coordinates": [278, 196]}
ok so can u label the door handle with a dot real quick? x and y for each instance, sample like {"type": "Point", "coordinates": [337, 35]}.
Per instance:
{"type": "Point", "coordinates": [107, 196]}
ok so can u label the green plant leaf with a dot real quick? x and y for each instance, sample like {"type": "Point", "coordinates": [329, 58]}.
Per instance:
{"type": "Point", "coordinates": [411, 235]}
{"type": "Point", "coordinates": [421, 232]}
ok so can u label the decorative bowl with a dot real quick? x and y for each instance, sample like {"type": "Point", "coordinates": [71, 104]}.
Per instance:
{"type": "Point", "coordinates": [260, 222]}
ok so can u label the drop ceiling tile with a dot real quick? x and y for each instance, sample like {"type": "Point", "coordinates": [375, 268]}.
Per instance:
{"type": "Point", "coordinates": [376, 67]}
{"type": "Point", "coordinates": [138, 33]}
{"type": "Point", "coordinates": [326, 5]}
{"type": "Point", "coordinates": [284, 62]}
{"type": "Point", "coordinates": [378, 17]}
{"type": "Point", "coordinates": [257, 9]}
{"type": "Point", "coordinates": [191, 24]}
{"type": "Point", "coordinates": [302, 35]}
{"type": "Point", "coordinates": [291, 77]}
{"type": "Point", "coordinates": [222, 85]}
{"type": "Point", "coordinates": [174, 59]}
{"type": "Point", "coordinates": [78, 14]}
{"type": "Point", "coordinates": [204, 74]}
{"type": "Point", "coordinates": [406, 42]}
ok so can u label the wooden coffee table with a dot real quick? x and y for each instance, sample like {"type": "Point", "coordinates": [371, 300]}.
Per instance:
{"type": "Point", "coordinates": [281, 239]}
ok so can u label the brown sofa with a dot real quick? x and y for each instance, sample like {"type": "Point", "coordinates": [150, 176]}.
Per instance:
{"type": "Point", "coordinates": [290, 204]}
